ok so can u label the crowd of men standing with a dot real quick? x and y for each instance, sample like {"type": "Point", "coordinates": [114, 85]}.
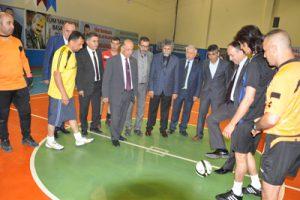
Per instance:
{"type": "Point", "coordinates": [122, 77]}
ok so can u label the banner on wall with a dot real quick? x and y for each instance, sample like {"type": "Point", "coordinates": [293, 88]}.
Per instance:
{"type": "Point", "coordinates": [105, 33]}
{"type": "Point", "coordinates": [35, 30]}
{"type": "Point", "coordinates": [54, 25]}
{"type": "Point", "coordinates": [127, 35]}
{"type": "Point", "coordinates": [18, 15]}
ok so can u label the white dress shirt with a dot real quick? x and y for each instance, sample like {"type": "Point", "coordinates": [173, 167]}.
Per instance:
{"type": "Point", "coordinates": [188, 72]}
{"type": "Point", "coordinates": [213, 67]}
{"type": "Point", "coordinates": [65, 40]}
{"type": "Point", "coordinates": [241, 65]}
{"type": "Point", "coordinates": [124, 70]}
{"type": "Point", "coordinates": [94, 65]}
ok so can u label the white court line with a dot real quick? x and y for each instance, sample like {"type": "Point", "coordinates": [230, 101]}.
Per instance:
{"type": "Point", "coordinates": [42, 187]}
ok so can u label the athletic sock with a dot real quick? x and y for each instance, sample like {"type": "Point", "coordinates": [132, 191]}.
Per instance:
{"type": "Point", "coordinates": [237, 188]}
{"type": "Point", "coordinates": [255, 182]}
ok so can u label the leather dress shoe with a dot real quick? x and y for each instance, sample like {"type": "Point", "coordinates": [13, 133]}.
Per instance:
{"type": "Point", "coordinates": [63, 130]}
{"type": "Point", "coordinates": [164, 133]}
{"type": "Point", "coordinates": [148, 133]}
{"type": "Point", "coordinates": [223, 171]}
{"type": "Point", "coordinates": [219, 153]}
{"type": "Point", "coordinates": [197, 138]}
{"type": "Point", "coordinates": [116, 143]}
{"type": "Point", "coordinates": [96, 130]}
{"type": "Point", "coordinates": [122, 138]}
{"type": "Point", "coordinates": [184, 133]}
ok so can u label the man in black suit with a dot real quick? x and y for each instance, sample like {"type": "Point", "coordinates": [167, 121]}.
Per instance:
{"type": "Point", "coordinates": [190, 82]}
{"type": "Point", "coordinates": [88, 81]}
{"type": "Point", "coordinates": [120, 83]}
{"type": "Point", "coordinates": [216, 76]}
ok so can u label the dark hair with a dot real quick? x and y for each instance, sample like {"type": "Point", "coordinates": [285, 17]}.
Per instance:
{"type": "Point", "coordinates": [235, 44]}
{"type": "Point", "coordinates": [86, 26]}
{"type": "Point", "coordinates": [144, 38]}
{"type": "Point", "coordinates": [90, 35]}
{"type": "Point", "coordinates": [75, 35]}
{"type": "Point", "coordinates": [212, 47]}
{"type": "Point", "coordinates": [167, 42]}
{"type": "Point", "coordinates": [115, 38]}
{"type": "Point", "coordinates": [8, 8]}
{"type": "Point", "coordinates": [252, 36]}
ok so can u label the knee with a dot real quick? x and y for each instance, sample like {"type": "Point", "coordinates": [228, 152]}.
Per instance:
{"type": "Point", "coordinates": [240, 157]}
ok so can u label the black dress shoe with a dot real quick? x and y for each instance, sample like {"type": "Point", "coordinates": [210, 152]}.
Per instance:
{"type": "Point", "coordinates": [184, 133]}
{"type": "Point", "coordinates": [96, 130]}
{"type": "Point", "coordinates": [138, 132]}
{"type": "Point", "coordinates": [56, 133]}
{"type": "Point", "coordinates": [197, 137]}
{"type": "Point", "coordinates": [222, 171]}
{"type": "Point", "coordinates": [63, 130]}
{"type": "Point", "coordinates": [164, 133]}
{"type": "Point", "coordinates": [5, 145]}
{"type": "Point", "coordinates": [148, 133]}
{"type": "Point", "coordinates": [228, 196]}
{"type": "Point", "coordinates": [116, 143]}
{"type": "Point", "coordinates": [219, 153]}
{"type": "Point", "coordinates": [170, 131]}
{"type": "Point", "coordinates": [122, 138]}
{"type": "Point", "coordinates": [29, 141]}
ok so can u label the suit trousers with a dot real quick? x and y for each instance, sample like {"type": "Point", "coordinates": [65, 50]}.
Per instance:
{"type": "Point", "coordinates": [20, 98]}
{"type": "Point", "coordinates": [141, 100]}
{"type": "Point", "coordinates": [119, 112]}
{"type": "Point", "coordinates": [225, 111]}
{"type": "Point", "coordinates": [185, 101]}
{"type": "Point", "coordinates": [95, 99]}
{"type": "Point", "coordinates": [165, 104]}
{"type": "Point", "coordinates": [205, 103]}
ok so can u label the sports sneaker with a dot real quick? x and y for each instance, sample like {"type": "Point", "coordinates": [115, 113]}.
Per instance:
{"type": "Point", "coordinates": [83, 141]}
{"type": "Point", "coordinates": [5, 145]}
{"type": "Point", "coordinates": [228, 196]}
{"type": "Point", "coordinates": [54, 145]}
{"type": "Point", "coordinates": [251, 190]}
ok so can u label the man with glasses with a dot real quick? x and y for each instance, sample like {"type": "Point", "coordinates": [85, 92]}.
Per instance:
{"type": "Point", "coordinates": [144, 59]}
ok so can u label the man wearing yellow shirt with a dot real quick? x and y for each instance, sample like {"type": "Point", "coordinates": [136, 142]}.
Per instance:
{"type": "Point", "coordinates": [13, 88]}
{"type": "Point", "coordinates": [281, 120]}
{"type": "Point", "coordinates": [61, 89]}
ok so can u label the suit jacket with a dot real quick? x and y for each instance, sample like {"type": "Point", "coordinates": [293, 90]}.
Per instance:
{"type": "Point", "coordinates": [194, 79]}
{"type": "Point", "coordinates": [215, 87]}
{"type": "Point", "coordinates": [113, 79]}
{"type": "Point", "coordinates": [171, 83]}
{"type": "Point", "coordinates": [136, 54]}
{"type": "Point", "coordinates": [54, 43]}
{"type": "Point", "coordinates": [85, 71]}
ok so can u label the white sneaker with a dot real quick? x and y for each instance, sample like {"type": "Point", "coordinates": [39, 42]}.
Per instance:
{"type": "Point", "coordinates": [83, 140]}
{"type": "Point", "coordinates": [54, 145]}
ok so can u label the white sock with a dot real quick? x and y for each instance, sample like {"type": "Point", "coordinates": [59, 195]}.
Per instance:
{"type": "Point", "coordinates": [237, 188]}
{"type": "Point", "coordinates": [255, 182]}
{"type": "Point", "coordinates": [77, 136]}
{"type": "Point", "coordinates": [50, 139]}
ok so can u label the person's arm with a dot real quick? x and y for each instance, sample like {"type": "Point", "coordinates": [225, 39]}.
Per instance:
{"type": "Point", "coordinates": [80, 74]}
{"type": "Point", "coordinates": [107, 80]}
{"type": "Point", "coordinates": [199, 83]}
{"type": "Point", "coordinates": [61, 88]}
{"type": "Point", "coordinates": [151, 78]}
{"type": "Point", "coordinates": [49, 51]}
{"type": "Point", "coordinates": [241, 111]}
{"type": "Point", "coordinates": [176, 82]}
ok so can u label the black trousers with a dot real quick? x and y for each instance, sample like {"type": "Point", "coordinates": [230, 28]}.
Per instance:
{"type": "Point", "coordinates": [165, 104]}
{"type": "Point", "coordinates": [20, 98]}
{"type": "Point", "coordinates": [95, 99]}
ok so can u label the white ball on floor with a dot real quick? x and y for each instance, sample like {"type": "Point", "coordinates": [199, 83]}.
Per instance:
{"type": "Point", "coordinates": [203, 168]}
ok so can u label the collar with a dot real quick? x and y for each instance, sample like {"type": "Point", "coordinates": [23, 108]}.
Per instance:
{"type": "Point", "coordinates": [90, 50]}
{"type": "Point", "coordinates": [216, 63]}
{"type": "Point", "coordinates": [242, 63]}
{"type": "Point", "coordinates": [289, 61]}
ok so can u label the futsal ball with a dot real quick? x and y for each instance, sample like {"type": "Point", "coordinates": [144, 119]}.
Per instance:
{"type": "Point", "coordinates": [203, 168]}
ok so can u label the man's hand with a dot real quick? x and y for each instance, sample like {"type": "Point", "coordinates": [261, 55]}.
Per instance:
{"type": "Point", "coordinates": [195, 99]}
{"type": "Point", "coordinates": [228, 130]}
{"type": "Point", "coordinates": [151, 94]}
{"type": "Point", "coordinates": [255, 132]}
{"type": "Point", "coordinates": [65, 100]}
{"type": "Point", "coordinates": [46, 82]}
{"type": "Point", "coordinates": [105, 100]}
{"type": "Point", "coordinates": [174, 96]}
{"type": "Point", "coordinates": [81, 93]}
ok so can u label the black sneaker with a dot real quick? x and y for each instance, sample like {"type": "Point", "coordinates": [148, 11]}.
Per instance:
{"type": "Point", "coordinates": [219, 153]}
{"type": "Point", "coordinates": [251, 190]}
{"type": "Point", "coordinates": [29, 141]}
{"type": "Point", "coordinates": [184, 133]}
{"type": "Point", "coordinates": [5, 145]}
{"type": "Point", "coordinates": [228, 196]}
{"type": "Point", "coordinates": [171, 131]}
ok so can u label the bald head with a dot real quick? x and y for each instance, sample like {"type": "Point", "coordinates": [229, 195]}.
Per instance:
{"type": "Point", "coordinates": [6, 24]}
{"type": "Point", "coordinates": [127, 48]}
{"type": "Point", "coordinates": [277, 47]}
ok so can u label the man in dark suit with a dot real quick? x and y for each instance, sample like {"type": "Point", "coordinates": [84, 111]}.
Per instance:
{"type": "Point", "coordinates": [120, 82]}
{"type": "Point", "coordinates": [163, 85]}
{"type": "Point", "coordinates": [190, 82]}
{"type": "Point", "coordinates": [54, 43]}
{"type": "Point", "coordinates": [216, 76]}
{"type": "Point", "coordinates": [88, 81]}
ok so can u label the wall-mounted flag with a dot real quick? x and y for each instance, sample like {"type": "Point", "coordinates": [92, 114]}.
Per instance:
{"type": "Point", "coordinates": [47, 3]}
